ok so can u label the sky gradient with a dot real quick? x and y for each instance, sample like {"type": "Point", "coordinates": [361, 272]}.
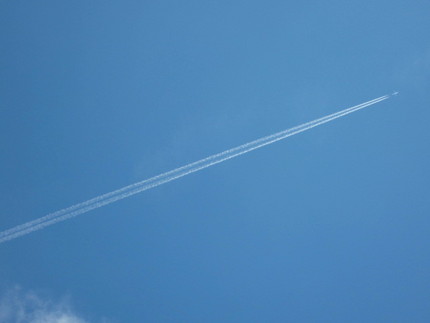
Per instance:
{"type": "Point", "coordinates": [331, 225]}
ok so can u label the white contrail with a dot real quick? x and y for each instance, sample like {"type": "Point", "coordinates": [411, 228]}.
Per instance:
{"type": "Point", "coordinates": [175, 171]}
{"type": "Point", "coordinates": [141, 186]}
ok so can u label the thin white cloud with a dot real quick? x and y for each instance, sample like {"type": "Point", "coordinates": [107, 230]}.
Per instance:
{"type": "Point", "coordinates": [17, 306]}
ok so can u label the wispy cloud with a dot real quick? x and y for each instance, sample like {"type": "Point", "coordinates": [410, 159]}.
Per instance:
{"type": "Point", "coordinates": [28, 307]}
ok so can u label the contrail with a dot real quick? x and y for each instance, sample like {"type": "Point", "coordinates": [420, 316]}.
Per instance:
{"type": "Point", "coordinates": [152, 182]}
{"type": "Point", "coordinates": [175, 171]}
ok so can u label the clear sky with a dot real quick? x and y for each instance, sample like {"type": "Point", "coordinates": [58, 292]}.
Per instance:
{"type": "Point", "coordinates": [332, 225]}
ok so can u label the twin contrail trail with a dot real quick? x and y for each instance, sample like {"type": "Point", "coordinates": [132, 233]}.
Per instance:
{"type": "Point", "coordinates": [152, 182]}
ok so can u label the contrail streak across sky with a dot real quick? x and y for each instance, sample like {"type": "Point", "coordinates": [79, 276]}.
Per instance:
{"type": "Point", "coordinates": [152, 182]}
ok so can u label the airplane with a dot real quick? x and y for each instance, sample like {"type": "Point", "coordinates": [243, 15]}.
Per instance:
{"type": "Point", "coordinates": [395, 93]}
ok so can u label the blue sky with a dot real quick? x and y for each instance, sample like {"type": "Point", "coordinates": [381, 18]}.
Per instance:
{"type": "Point", "coordinates": [327, 226]}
